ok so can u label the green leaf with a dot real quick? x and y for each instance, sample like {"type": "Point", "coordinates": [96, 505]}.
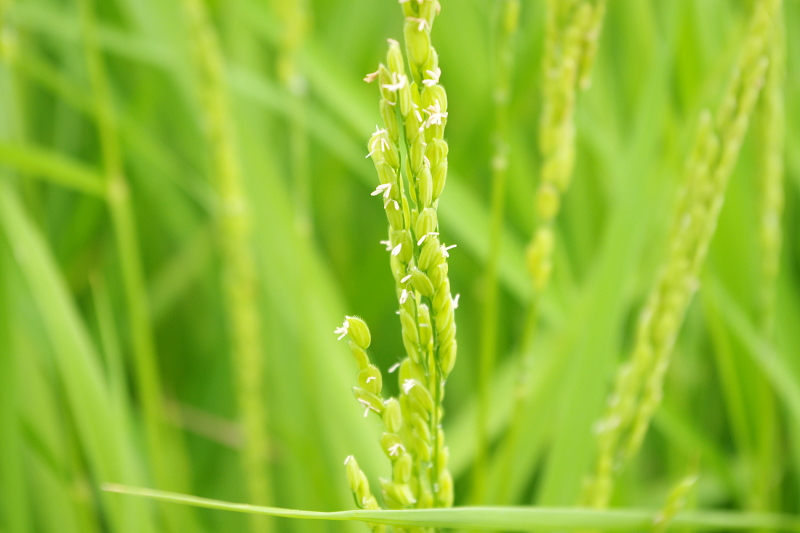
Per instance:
{"type": "Point", "coordinates": [52, 166]}
{"type": "Point", "coordinates": [495, 518]}
{"type": "Point", "coordinates": [772, 364]}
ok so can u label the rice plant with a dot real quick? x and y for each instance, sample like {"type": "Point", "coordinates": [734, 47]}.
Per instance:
{"type": "Point", "coordinates": [187, 213]}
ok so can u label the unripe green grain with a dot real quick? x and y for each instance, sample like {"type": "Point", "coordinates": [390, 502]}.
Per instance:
{"type": "Point", "coordinates": [389, 116]}
{"type": "Point", "coordinates": [421, 283]}
{"type": "Point", "coordinates": [425, 497]}
{"type": "Point", "coordinates": [426, 223]}
{"type": "Point", "coordinates": [446, 332]}
{"type": "Point", "coordinates": [444, 496]}
{"type": "Point", "coordinates": [571, 35]}
{"type": "Point", "coordinates": [402, 245]}
{"type": "Point", "coordinates": [547, 202]}
{"type": "Point", "coordinates": [425, 187]}
{"type": "Point", "coordinates": [370, 379]}
{"type": "Point", "coordinates": [413, 123]}
{"type": "Point", "coordinates": [438, 274]}
{"type": "Point", "coordinates": [675, 503]}
{"type": "Point", "coordinates": [386, 80]}
{"type": "Point", "coordinates": [386, 173]}
{"type": "Point", "coordinates": [370, 401]}
{"type": "Point", "coordinates": [442, 298]}
{"type": "Point", "coordinates": [418, 42]}
{"type": "Point", "coordinates": [424, 320]}
{"type": "Point", "coordinates": [410, 370]}
{"type": "Point", "coordinates": [639, 386]}
{"type": "Point", "coordinates": [540, 254]}
{"type": "Point", "coordinates": [417, 392]}
{"type": "Point", "coordinates": [421, 449]}
{"type": "Point", "coordinates": [405, 99]}
{"type": "Point", "coordinates": [359, 484]}
{"type": "Point", "coordinates": [410, 335]}
{"type": "Point", "coordinates": [362, 359]}
{"type": "Point", "coordinates": [419, 426]}
{"type": "Point", "coordinates": [436, 151]}
{"type": "Point", "coordinates": [392, 417]}
{"type": "Point", "coordinates": [434, 96]}
{"type": "Point", "coordinates": [431, 253]}
{"type": "Point", "coordinates": [399, 494]}
{"type": "Point", "coordinates": [394, 215]}
{"type": "Point", "coordinates": [771, 140]}
{"type": "Point", "coordinates": [394, 58]}
{"type": "Point", "coordinates": [439, 175]}
{"type": "Point", "coordinates": [389, 498]}
{"type": "Point", "coordinates": [416, 154]}
{"type": "Point", "coordinates": [401, 471]}
{"type": "Point", "coordinates": [358, 331]}
{"type": "Point", "coordinates": [428, 10]}
{"type": "Point", "coordinates": [447, 356]}
{"type": "Point", "coordinates": [418, 263]}
{"type": "Point", "coordinates": [434, 130]}
{"type": "Point", "coordinates": [392, 445]}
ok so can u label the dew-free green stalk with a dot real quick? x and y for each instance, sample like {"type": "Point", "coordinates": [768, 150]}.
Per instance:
{"type": "Point", "coordinates": [771, 142]}
{"type": "Point", "coordinates": [165, 448]}
{"type": "Point", "coordinates": [502, 518]}
{"type": "Point", "coordinates": [572, 32]}
{"type": "Point", "coordinates": [295, 22]}
{"type": "Point", "coordinates": [639, 382]}
{"type": "Point", "coordinates": [770, 138]}
{"type": "Point", "coordinates": [413, 106]}
{"type": "Point", "coordinates": [239, 269]}
{"type": "Point", "coordinates": [675, 503]}
{"type": "Point", "coordinates": [508, 12]}
{"type": "Point", "coordinates": [571, 36]}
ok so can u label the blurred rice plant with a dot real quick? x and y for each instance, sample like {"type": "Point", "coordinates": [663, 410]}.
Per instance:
{"type": "Point", "coordinates": [116, 362]}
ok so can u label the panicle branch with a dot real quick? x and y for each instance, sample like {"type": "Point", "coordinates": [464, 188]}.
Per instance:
{"type": "Point", "coordinates": [572, 33]}
{"type": "Point", "coordinates": [410, 157]}
{"type": "Point", "coordinates": [639, 384]}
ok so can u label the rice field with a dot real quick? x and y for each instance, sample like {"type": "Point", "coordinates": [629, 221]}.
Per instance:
{"type": "Point", "coordinates": [194, 195]}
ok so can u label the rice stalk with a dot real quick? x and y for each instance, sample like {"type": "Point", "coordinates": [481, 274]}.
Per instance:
{"type": "Point", "coordinates": [239, 269]}
{"type": "Point", "coordinates": [675, 503]}
{"type": "Point", "coordinates": [295, 22]}
{"type": "Point", "coordinates": [770, 138]}
{"type": "Point", "coordinates": [639, 383]}
{"type": "Point", "coordinates": [414, 111]}
{"type": "Point", "coordinates": [571, 40]}
{"type": "Point", "coordinates": [572, 32]}
{"type": "Point", "coordinates": [165, 450]}
{"type": "Point", "coordinates": [505, 32]}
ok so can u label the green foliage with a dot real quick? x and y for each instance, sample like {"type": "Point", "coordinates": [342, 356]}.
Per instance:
{"type": "Point", "coordinates": [148, 325]}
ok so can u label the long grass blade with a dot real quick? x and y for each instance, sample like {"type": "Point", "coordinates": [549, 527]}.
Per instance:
{"type": "Point", "coordinates": [76, 360]}
{"type": "Point", "coordinates": [782, 377]}
{"type": "Point", "coordinates": [239, 267]}
{"type": "Point", "coordinates": [495, 518]}
{"type": "Point", "coordinates": [51, 166]}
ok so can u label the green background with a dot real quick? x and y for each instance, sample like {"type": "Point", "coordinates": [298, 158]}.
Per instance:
{"type": "Point", "coordinates": [70, 402]}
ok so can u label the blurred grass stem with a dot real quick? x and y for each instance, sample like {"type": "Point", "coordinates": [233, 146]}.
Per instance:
{"type": "Point", "coordinates": [507, 13]}
{"type": "Point", "coordinates": [240, 284]}
{"type": "Point", "coordinates": [166, 455]}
